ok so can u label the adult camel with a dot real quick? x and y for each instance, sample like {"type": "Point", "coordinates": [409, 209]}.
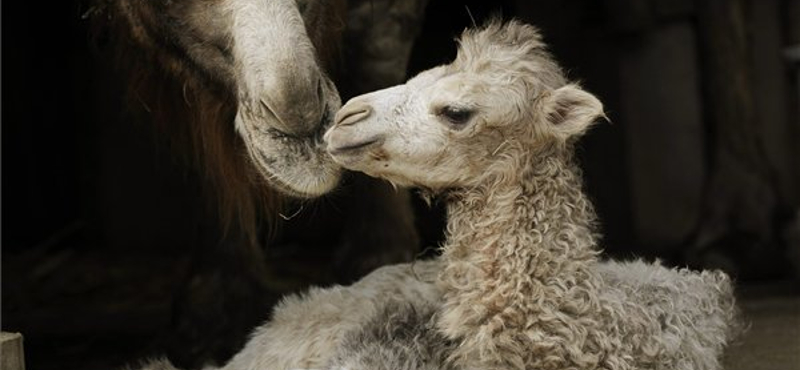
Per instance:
{"type": "Point", "coordinates": [246, 88]}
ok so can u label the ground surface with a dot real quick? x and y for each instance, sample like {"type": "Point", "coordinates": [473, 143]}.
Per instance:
{"type": "Point", "coordinates": [97, 309]}
{"type": "Point", "coordinates": [773, 339]}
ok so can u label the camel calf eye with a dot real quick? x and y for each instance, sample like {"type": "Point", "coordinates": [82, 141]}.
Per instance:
{"type": "Point", "coordinates": [456, 115]}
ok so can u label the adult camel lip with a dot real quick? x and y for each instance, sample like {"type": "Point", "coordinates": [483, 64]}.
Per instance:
{"type": "Point", "coordinates": [296, 165]}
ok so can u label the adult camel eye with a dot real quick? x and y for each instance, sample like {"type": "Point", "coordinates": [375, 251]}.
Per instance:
{"type": "Point", "coordinates": [457, 116]}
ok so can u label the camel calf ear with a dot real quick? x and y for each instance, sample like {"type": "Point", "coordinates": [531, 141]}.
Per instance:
{"type": "Point", "coordinates": [571, 111]}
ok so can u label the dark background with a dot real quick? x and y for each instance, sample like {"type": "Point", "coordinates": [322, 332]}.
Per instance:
{"type": "Point", "coordinates": [96, 218]}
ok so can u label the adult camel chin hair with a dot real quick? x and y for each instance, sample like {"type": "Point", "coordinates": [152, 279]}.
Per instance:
{"type": "Point", "coordinates": [244, 90]}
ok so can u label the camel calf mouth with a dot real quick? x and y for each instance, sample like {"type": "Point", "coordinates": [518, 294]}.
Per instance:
{"type": "Point", "coordinates": [355, 148]}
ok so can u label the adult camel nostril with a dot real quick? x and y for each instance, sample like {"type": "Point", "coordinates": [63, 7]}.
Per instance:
{"type": "Point", "coordinates": [352, 113]}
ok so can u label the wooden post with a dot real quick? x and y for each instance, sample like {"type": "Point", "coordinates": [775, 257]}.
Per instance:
{"type": "Point", "coordinates": [661, 108]}
{"type": "Point", "coordinates": [792, 21]}
{"type": "Point", "coordinates": [740, 191]}
{"type": "Point", "coordinates": [12, 356]}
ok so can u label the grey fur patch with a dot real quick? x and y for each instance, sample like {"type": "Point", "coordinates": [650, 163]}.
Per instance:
{"type": "Point", "coordinates": [402, 336]}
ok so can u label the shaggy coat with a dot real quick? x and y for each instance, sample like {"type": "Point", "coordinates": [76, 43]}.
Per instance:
{"type": "Point", "coordinates": [402, 337]}
{"type": "Point", "coordinates": [524, 289]}
{"type": "Point", "coordinates": [307, 331]}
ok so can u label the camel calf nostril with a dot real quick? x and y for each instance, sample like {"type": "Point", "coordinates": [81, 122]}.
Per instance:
{"type": "Point", "coordinates": [352, 113]}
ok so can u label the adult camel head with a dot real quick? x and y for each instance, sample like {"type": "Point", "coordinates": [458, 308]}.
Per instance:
{"type": "Point", "coordinates": [267, 64]}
